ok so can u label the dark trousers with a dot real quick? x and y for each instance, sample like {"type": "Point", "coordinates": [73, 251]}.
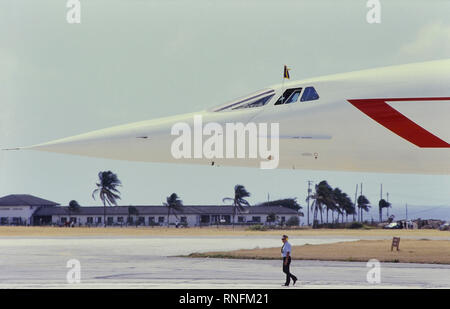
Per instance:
{"type": "Point", "coordinates": [287, 271]}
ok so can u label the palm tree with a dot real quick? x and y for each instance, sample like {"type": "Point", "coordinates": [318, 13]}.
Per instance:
{"type": "Point", "coordinates": [323, 196]}
{"type": "Point", "coordinates": [173, 204]}
{"type": "Point", "coordinates": [73, 207]}
{"type": "Point", "coordinates": [349, 207]}
{"type": "Point", "coordinates": [107, 190]}
{"type": "Point", "coordinates": [240, 193]}
{"type": "Point", "coordinates": [286, 202]}
{"type": "Point", "coordinates": [383, 204]}
{"type": "Point", "coordinates": [344, 203]}
{"type": "Point", "coordinates": [363, 205]}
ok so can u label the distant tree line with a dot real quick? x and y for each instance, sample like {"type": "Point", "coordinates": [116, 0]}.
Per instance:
{"type": "Point", "coordinates": [324, 198]}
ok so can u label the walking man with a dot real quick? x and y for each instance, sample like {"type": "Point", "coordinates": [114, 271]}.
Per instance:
{"type": "Point", "coordinates": [286, 251]}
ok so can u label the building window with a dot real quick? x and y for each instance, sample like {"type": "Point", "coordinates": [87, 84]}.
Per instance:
{"type": "Point", "coordinates": [204, 219]}
{"type": "Point", "coordinates": [309, 94]}
{"type": "Point", "coordinates": [183, 219]}
{"type": "Point", "coordinates": [141, 220]}
{"type": "Point", "coordinates": [110, 220]}
{"type": "Point", "coordinates": [73, 219]}
{"type": "Point", "coordinates": [241, 219]}
{"type": "Point", "coordinates": [90, 220]}
{"type": "Point", "coordinates": [120, 219]}
{"type": "Point", "coordinates": [161, 219]}
{"type": "Point", "coordinates": [256, 219]}
{"type": "Point", "coordinates": [4, 220]}
{"type": "Point", "coordinates": [63, 219]}
{"type": "Point", "coordinates": [99, 219]}
{"type": "Point", "coordinates": [151, 220]}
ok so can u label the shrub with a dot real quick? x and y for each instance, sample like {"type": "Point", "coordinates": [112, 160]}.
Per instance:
{"type": "Point", "coordinates": [293, 221]}
{"type": "Point", "coordinates": [355, 225]}
{"type": "Point", "coordinates": [257, 227]}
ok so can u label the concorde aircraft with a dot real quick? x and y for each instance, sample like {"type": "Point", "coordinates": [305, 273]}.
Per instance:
{"type": "Point", "coordinates": [391, 119]}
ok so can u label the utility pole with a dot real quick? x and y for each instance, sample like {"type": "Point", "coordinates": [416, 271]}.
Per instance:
{"type": "Point", "coordinates": [309, 193]}
{"type": "Point", "coordinates": [406, 221]}
{"type": "Point", "coordinates": [381, 197]}
{"type": "Point", "coordinates": [356, 209]}
{"type": "Point", "coordinates": [387, 200]}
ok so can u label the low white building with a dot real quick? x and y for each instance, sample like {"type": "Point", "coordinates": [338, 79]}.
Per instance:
{"type": "Point", "coordinates": [18, 209]}
{"type": "Point", "coordinates": [157, 215]}
{"type": "Point", "coordinates": [25, 209]}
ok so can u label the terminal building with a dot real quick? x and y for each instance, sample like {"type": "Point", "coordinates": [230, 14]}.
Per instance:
{"type": "Point", "coordinates": [30, 210]}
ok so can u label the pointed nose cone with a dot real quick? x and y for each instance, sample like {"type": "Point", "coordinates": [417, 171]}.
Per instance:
{"type": "Point", "coordinates": [108, 143]}
{"type": "Point", "coordinates": [140, 141]}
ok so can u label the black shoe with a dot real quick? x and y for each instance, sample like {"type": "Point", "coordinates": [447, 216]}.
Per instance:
{"type": "Point", "coordinates": [285, 284]}
{"type": "Point", "coordinates": [295, 280]}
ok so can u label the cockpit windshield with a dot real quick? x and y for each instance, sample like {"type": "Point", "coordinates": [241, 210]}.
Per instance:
{"type": "Point", "coordinates": [255, 99]}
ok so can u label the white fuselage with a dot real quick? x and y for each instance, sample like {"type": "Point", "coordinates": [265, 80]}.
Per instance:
{"type": "Point", "coordinates": [392, 119]}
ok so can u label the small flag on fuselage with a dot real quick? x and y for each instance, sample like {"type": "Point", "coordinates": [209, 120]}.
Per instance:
{"type": "Point", "coordinates": [286, 72]}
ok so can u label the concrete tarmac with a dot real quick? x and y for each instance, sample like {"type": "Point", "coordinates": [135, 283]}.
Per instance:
{"type": "Point", "coordinates": [149, 262]}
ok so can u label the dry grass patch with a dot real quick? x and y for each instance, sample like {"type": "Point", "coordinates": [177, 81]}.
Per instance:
{"type": "Point", "coordinates": [207, 231]}
{"type": "Point", "coordinates": [411, 251]}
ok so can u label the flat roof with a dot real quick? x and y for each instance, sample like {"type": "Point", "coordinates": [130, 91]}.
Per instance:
{"type": "Point", "coordinates": [162, 210]}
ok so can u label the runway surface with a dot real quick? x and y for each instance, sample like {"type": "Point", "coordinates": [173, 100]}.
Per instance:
{"type": "Point", "coordinates": [149, 262]}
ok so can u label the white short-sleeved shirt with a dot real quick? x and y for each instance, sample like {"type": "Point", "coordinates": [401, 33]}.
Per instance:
{"type": "Point", "coordinates": [286, 248]}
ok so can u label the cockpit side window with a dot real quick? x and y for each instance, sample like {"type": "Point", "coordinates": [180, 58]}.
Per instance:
{"type": "Point", "coordinates": [289, 96]}
{"type": "Point", "coordinates": [309, 94]}
{"type": "Point", "coordinates": [257, 99]}
{"type": "Point", "coordinates": [257, 103]}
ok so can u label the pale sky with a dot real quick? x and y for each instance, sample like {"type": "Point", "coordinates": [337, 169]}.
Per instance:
{"type": "Point", "coordinates": [132, 60]}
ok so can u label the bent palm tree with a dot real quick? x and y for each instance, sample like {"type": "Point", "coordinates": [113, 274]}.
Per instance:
{"type": "Point", "coordinates": [107, 190]}
{"type": "Point", "coordinates": [343, 203]}
{"type": "Point", "coordinates": [323, 196]}
{"type": "Point", "coordinates": [240, 193]}
{"type": "Point", "coordinates": [173, 204]}
{"type": "Point", "coordinates": [382, 204]}
{"type": "Point", "coordinates": [363, 205]}
{"type": "Point", "coordinates": [349, 207]}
